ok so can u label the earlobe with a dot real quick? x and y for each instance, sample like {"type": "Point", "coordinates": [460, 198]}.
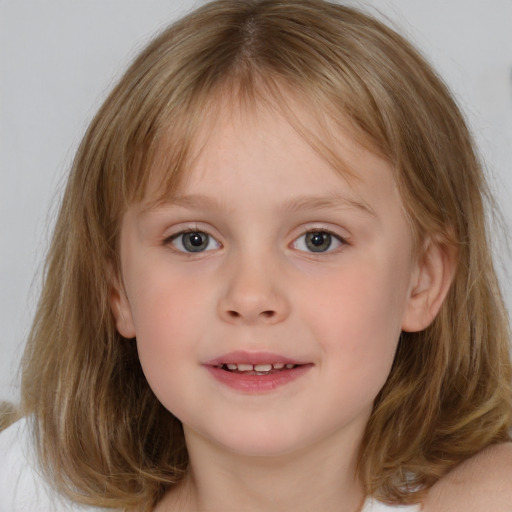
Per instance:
{"type": "Point", "coordinates": [121, 309]}
{"type": "Point", "coordinates": [431, 281]}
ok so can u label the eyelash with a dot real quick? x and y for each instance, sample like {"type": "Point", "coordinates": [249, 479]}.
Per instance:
{"type": "Point", "coordinates": [173, 238]}
{"type": "Point", "coordinates": [209, 238]}
{"type": "Point", "coordinates": [323, 231]}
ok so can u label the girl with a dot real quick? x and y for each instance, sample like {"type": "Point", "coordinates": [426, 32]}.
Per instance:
{"type": "Point", "coordinates": [270, 286]}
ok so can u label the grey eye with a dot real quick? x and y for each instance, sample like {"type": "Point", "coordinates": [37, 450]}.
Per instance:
{"type": "Point", "coordinates": [194, 241]}
{"type": "Point", "coordinates": [317, 241]}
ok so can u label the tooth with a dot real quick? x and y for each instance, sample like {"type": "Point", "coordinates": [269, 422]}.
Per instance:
{"type": "Point", "coordinates": [262, 367]}
{"type": "Point", "coordinates": [244, 367]}
{"type": "Point", "coordinates": [278, 366]}
{"type": "Point", "coordinates": [231, 366]}
{"type": "Point", "coordinates": [290, 366]}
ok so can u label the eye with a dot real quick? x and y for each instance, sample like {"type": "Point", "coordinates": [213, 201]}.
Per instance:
{"type": "Point", "coordinates": [194, 241]}
{"type": "Point", "coordinates": [317, 241]}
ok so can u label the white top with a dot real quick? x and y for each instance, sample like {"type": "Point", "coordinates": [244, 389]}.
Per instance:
{"type": "Point", "coordinates": [22, 488]}
{"type": "Point", "coordinates": [377, 506]}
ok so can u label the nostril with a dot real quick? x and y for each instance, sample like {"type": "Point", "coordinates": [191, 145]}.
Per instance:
{"type": "Point", "coordinates": [265, 314]}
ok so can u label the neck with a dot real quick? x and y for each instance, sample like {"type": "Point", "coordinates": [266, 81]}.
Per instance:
{"type": "Point", "coordinates": [322, 478]}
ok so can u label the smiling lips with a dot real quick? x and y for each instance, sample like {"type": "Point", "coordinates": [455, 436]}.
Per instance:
{"type": "Point", "coordinates": [256, 369]}
{"type": "Point", "coordinates": [254, 373]}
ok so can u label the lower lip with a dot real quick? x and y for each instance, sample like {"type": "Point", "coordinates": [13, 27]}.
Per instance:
{"type": "Point", "coordinates": [258, 383]}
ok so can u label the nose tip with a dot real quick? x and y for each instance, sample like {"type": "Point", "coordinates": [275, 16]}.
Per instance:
{"type": "Point", "coordinates": [254, 289]}
{"type": "Point", "coordinates": [253, 302]}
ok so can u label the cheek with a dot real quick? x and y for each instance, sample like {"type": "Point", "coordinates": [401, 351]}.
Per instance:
{"type": "Point", "coordinates": [356, 316]}
{"type": "Point", "coordinates": [164, 302]}
{"type": "Point", "coordinates": [168, 323]}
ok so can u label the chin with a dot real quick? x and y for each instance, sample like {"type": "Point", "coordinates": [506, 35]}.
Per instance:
{"type": "Point", "coordinates": [259, 440]}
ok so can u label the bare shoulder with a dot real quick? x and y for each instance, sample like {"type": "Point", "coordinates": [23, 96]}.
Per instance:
{"type": "Point", "coordinates": [479, 484]}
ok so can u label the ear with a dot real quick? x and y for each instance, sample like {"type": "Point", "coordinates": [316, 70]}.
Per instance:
{"type": "Point", "coordinates": [431, 280]}
{"type": "Point", "coordinates": [120, 307]}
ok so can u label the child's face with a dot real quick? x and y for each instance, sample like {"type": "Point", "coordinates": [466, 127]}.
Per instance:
{"type": "Point", "coordinates": [271, 257]}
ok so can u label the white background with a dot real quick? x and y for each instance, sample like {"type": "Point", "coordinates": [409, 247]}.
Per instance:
{"type": "Point", "coordinates": [58, 58]}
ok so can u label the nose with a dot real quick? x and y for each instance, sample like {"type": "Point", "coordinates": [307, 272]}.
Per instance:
{"type": "Point", "coordinates": [254, 294]}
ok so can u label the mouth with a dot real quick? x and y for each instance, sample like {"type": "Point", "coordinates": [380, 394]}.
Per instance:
{"type": "Point", "coordinates": [256, 372]}
{"type": "Point", "coordinates": [256, 369]}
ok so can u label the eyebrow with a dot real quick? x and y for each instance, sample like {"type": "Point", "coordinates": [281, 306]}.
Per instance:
{"type": "Point", "coordinates": [296, 204]}
{"type": "Point", "coordinates": [329, 202]}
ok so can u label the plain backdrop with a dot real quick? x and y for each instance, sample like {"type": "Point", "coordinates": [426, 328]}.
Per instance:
{"type": "Point", "coordinates": [58, 58]}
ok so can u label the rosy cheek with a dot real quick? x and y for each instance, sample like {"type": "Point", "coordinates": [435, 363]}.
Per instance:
{"type": "Point", "coordinates": [353, 311]}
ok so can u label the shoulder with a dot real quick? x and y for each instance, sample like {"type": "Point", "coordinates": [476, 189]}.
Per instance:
{"type": "Point", "coordinates": [17, 487]}
{"type": "Point", "coordinates": [22, 487]}
{"type": "Point", "coordinates": [479, 484]}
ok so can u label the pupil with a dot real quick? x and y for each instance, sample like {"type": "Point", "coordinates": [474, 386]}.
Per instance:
{"type": "Point", "coordinates": [317, 239]}
{"type": "Point", "coordinates": [318, 242]}
{"type": "Point", "coordinates": [196, 239]}
{"type": "Point", "coordinates": [195, 242]}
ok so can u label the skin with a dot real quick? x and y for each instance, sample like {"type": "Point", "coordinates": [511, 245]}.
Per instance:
{"type": "Point", "coordinates": [257, 188]}
{"type": "Point", "coordinates": [479, 484]}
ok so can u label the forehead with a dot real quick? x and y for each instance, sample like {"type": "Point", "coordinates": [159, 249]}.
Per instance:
{"type": "Point", "coordinates": [236, 137]}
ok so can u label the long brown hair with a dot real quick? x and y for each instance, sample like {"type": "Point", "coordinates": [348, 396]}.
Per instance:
{"type": "Point", "coordinates": [101, 434]}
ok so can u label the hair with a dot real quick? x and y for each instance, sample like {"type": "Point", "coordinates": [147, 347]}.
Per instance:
{"type": "Point", "coordinates": [102, 436]}
{"type": "Point", "coordinates": [8, 414]}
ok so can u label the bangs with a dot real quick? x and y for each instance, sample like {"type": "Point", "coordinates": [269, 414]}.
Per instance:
{"type": "Point", "coordinates": [162, 172]}
{"type": "Point", "coordinates": [248, 57]}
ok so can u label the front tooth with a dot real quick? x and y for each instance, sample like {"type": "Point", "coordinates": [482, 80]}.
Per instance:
{"type": "Point", "coordinates": [262, 367]}
{"type": "Point", "coordinates": [245, 367]}
{"type": "Point", "coordinates": [278, 366]}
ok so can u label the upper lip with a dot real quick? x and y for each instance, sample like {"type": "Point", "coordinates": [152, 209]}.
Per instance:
{"type": "Point", "coordinates": [252, 358]}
